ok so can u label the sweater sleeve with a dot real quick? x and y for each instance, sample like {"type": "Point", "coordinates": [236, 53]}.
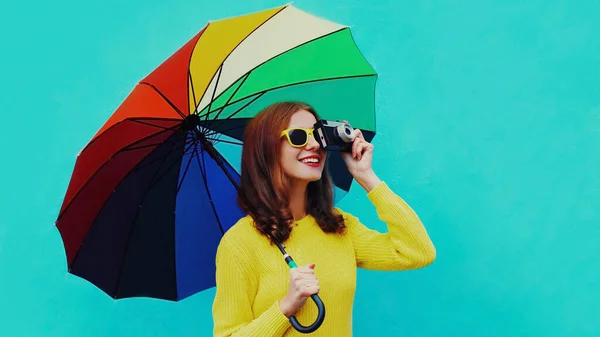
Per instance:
{"type": "Point", "coordinates": [406, 245]}
{"type": "Point", "coordinates": [235, 289]}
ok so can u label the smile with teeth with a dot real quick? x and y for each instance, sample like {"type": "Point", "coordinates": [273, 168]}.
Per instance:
{"type": "Point", "coordinates": [310, 160]}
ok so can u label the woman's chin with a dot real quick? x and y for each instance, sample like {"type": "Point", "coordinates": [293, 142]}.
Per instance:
{"type": "Point", "coordinates": [309, 178]}
{"type": "Point", "coordinates": [306, 173]}
{"type": "Point", "coordinates": [314, 175]}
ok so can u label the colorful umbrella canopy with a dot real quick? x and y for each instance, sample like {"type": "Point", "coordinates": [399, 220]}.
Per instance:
{"type": "Point", "coordinates": [147, 206]}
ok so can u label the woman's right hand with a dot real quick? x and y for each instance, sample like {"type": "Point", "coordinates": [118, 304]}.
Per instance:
{"type": "Point", "coordinates": [303, 284]}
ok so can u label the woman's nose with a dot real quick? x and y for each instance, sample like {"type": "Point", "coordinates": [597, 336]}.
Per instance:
{"type": "Point", "coordinates": [312, 143]}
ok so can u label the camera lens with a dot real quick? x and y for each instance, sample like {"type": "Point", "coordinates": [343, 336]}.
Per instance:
{"type": "Point", "coordinates": [345, 132]}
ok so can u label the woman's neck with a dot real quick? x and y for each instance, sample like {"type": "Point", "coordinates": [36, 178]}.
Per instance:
{"type": "Point", "coordinates": [298, 200]}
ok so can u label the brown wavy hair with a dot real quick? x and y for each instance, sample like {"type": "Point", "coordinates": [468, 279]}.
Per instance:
{"type": "Point", "coordinates": [265, 184]}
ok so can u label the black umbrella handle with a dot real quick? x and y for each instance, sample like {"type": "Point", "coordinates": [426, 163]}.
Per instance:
{"type": "Point", "coordinates": [320, 306]}
{"type": "Point", "coordinates": [308, 329]}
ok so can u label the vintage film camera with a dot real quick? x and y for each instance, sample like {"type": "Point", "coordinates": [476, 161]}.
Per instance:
{"type": "Point", "coordinates": [334, 135]}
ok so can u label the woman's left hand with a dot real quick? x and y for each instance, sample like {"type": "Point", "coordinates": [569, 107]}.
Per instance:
{"type": "Point", "coordinates": [360, 160]}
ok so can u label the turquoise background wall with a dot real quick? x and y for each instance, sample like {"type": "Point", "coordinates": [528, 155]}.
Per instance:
{"type": "Point", "coordinates": [489, 126]}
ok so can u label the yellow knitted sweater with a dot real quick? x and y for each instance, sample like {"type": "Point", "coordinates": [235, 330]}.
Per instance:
{"type": "Point", "coordinates": [252, 275]}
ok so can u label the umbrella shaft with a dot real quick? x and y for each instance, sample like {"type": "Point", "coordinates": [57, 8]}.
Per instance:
{"type": "Point", "coordinates": [210, 149]}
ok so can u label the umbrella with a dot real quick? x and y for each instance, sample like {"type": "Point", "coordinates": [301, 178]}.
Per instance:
{"type": "Point", "coordinates": [155, 189]}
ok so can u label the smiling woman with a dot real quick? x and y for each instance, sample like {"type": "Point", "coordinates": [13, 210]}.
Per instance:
{"type": "Point", "coordinates": [288, 195]}
{"type": "Point", "coordinates": [275, 178]}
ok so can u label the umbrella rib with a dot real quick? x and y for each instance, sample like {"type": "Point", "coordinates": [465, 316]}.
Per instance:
{"type": "Point", "coordinates": [220, 132]}
{"type": "Point", "coordinates": [138, 168]}
{"type": "Point", "coordinates": [178, 147]}
{"type": "Point", "coordinates": [216, 140]}
{"type": "Point", "coordinates": [221, 121]}
{"type": "Point", "coordinates": [165, 98]}
{"type": "Point", "coordinates": [212, 99]}
{"type": "Point", "coordinates": [239, 43]}
{"type": "Point", "coordinates": [170, 166]}
{"type": "Point", "coordinates": [203, 172]}
{"type": "Point", "coordinates": [123, 149]}
{"type": "Point", "coordinates": [144, 121]}
{"type": "Point", "coordinates": [130, 234]}
{"type": "Point", "coordinates": [134, 120]}
{"type": "Point", "coordinates": [187, 167]}
{"type": "Point", "coordinates": [228, 100]}
{"type": "Point", "coordinates": [203, 166]}
{"type": "Point", "coordinates": [226, 163]}
{"type": "Point", "coordinates": [193, 90]}
{"type": "Point", "coordinates": [131, 148]}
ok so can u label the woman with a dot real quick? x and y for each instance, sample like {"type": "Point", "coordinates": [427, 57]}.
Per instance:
{"type": "Point", "coordinates": [282, 177]}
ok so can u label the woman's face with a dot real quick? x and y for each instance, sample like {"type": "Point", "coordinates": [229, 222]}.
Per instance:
{"type": "Point", "coordinates": [302, 164]}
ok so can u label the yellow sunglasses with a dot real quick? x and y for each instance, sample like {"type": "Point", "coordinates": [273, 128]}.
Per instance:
{"type": "Point", "coordinates": [298, 137]}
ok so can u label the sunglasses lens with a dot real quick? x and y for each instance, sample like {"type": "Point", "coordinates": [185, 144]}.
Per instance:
{"type": "Point", "coordinates": [298, 137]}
